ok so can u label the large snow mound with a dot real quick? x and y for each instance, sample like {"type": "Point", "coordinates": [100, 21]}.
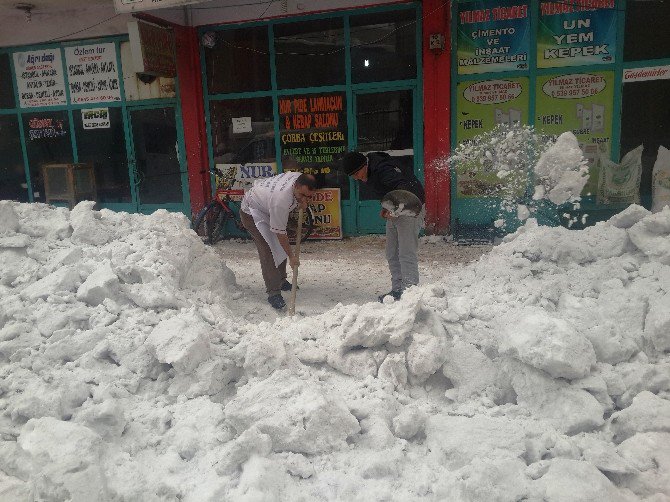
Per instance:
{"type": "Point", "coordinates": [541, 372]}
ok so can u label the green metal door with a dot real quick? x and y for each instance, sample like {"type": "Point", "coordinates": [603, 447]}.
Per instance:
{"type": "Point", "coordinates": [156, 159]}
{"type": "Point", "coordinates": [385, 121]}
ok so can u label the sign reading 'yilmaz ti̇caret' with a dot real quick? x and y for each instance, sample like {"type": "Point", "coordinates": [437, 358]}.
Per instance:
{"type": "Point", "coordinates": [576, 33]}
{"type": "Point", "coordinates": [493, 36]}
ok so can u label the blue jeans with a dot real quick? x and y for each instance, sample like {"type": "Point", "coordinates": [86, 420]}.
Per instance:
{"type": "Point", "coordinates": [402, 246]}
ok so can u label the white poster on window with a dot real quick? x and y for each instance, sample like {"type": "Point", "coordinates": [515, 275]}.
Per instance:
{"type": "Point", "coordinates": [92, 73]}
{"type": "Point", "coordinates": [241, 124]}
{"type": "Point", "coordinates": [95, 118]}
{"type": "Point", "coordinates": [39, 78]}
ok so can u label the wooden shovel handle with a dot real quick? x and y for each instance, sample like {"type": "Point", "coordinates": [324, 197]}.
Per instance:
{"type": "Point", "coordinates": [296, 252]}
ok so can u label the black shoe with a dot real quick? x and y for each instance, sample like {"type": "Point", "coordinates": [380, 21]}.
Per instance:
{"type": "Point", "coordinates": [394, 294]}
{"type": "Point", "coordinates": [287, 286]}
{"type": "Point", "coordinates": [277, 302]}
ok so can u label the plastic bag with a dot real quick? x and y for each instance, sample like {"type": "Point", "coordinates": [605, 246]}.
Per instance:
{"type": "Point", "coordinates": [620, 183]}
{"type": "Point", "coordinates": [660, 180]}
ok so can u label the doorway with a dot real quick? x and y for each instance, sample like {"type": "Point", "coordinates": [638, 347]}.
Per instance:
{"type": "Point", "coordinates": [384, 122]}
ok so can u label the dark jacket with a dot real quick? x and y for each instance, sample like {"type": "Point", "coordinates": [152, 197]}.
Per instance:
{"type": "Point", "coordinates": [384, 175]}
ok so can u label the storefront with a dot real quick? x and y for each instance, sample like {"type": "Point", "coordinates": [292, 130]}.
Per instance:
{"type": "Point", "coordinates": [84, 102]}
{"type": "Point", "coordinates": [298, 93]}
{"type": "Point", "coordinates": [600, 69]}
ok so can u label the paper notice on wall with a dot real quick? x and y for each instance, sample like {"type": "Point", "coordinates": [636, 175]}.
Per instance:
{"type": "Point", "coordinates": [92, 73]}
{"type": "Point", "coordinates": [39, 78]}
{"type": "Point", "coordinates": [95, 118]}
{"type": "Point", "coordinates": [241, 124]}
{"type": "Point", "coordinates": [620, 183]}
{"type": "Point", "coordinates": [660, 180]}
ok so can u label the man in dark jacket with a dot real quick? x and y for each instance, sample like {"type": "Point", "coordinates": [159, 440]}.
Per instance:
{"type": "Point", "coordinates": [382, 173]}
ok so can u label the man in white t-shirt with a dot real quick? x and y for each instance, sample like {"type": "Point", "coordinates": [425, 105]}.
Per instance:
{"type": "Point", "coordinates": [264, 213]}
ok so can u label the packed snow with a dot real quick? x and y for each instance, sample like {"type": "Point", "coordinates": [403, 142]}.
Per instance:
{"type": "Point", "coordinates": [540, 372]}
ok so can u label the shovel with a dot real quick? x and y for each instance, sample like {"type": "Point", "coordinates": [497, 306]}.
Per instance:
{"type": "Point", "coordinates": [401, 203]}
{"type": "Point", "coordinates": [294, 283]}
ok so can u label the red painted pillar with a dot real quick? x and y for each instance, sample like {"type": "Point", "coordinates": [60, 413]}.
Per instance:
{"type": "Point", "coordinates": [193, 115]}
{"type": "Point", "coordinates": [437, 116]}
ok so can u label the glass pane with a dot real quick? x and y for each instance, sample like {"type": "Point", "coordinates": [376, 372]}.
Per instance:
{"type": "Point", "coordinates": [6, 89]}
{"type": "Point", "coordinates": [647, 35]}
{"type": "Point", "coordinates": [384, 123]}
{"type": "Point", "coordinates": [105, 148]}
{"type": "Point", "coordinates": [310, 54]}
{"type": "Point", "coordinates": [313, 137]}
{"type": "Point", "coordinates": [645, 120]}
{"type": "Point", "coordinates": [383, 46]}
{"type": "Point", "coordinates": [254, 142]}
{"type": "Point", "coordinates": [239, 61]}
{"type": "Point", "coordinates": [157, 167]}
{"type": "Point", "coordinates": [47, 141]}
{"type": "Point", "coordinates": [13, 184]}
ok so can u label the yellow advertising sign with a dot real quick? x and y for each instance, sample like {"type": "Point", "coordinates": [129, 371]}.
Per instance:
{"type": "Point", "coordinates": [327, 212]}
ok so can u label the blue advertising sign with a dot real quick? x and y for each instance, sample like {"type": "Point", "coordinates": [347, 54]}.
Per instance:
{"type": "Point", "coordinates": [492, 38]}
{"type": "Point", "coordinates": [576, 33]}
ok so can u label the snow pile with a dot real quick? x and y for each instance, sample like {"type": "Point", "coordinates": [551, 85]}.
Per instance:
{"type": "Point", "coordinates": [540, 372]}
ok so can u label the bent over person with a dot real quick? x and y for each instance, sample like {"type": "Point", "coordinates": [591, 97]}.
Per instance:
{"type": "Point", "coordinates": [264, 213]}
{"type": "Point", "coordinates": [382, 173]}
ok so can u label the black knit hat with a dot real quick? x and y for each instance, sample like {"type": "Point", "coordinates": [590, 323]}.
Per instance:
{"type": "Point", "coordinates": [352, 162]}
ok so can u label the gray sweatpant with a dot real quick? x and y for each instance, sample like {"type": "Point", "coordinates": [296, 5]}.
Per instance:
{"type": "Point", "coordinates": [402, 246]}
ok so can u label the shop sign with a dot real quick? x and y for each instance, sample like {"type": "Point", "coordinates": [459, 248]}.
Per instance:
{"type": "Point", "coordinates": [45, 127]}
{"type": "Point", "coordinates": [480, 107]}
{"type": "Point", "coordinates": [153, 49]}
{"type": "Point", "coordinates": [39, 78]}
{"type": "Point", "coordinates": [582, 104]}
{"type": "Point", "coordinates": [241, 177]}
{"type": "Point", "coordinates": [648, 73]}
{"type": "Point", "coordinates": [492, 36]}
{"type": "Point", "coordinates": [574, 86]}
{"type": "Point", "coordinates": [325, 206]}
{"type": "Point", "coordinates": [576, 33]}
{"type": "Point", "coordinates": [313, 132]}
{"type": "Point", "coordinates": [492, 91]}
{"type": "Point", "coordinates": [92, 73]}
{"type": "Point", "coordinates": [125, 6]}
{"type": "Point", "coordinates": [95, 118]}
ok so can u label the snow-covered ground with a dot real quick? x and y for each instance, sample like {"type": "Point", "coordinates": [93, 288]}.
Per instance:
{"type": "Point", "coordinates": [133, 367]}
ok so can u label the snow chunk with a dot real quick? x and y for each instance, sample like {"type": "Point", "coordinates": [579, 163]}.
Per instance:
{"type": "Point", "coordinates": [648, 413]}
{"type": "Point", "coordinates": [549, 344]}
{"type": "Point", "coordinates": [299, 415]}
{"type": "Point", "coordinates": [65, 457]}
{"type": "Point", "coordinates": [649, 453]}
{"type": "Point", "coordinates": [651, 235]}
{"type": "Point", "coordinates": [569, 480]}
{"type": "Point", "coordinates": [657, 324]}
{"type": "Point", "coordinates": [374, 324]}
{"type": "Point", "coordinates": [394, 369]}
{"type": "Point", "coordinates": [425, 354]}
{"type": "Point", "coordinates": [9, 221]}
{"type": "Point", "coordinates": [87, 225]}
{"type": "Point", "coordinates": [62, 280]}
{"type": "Point", "coordinates": [629, 216]}
{"type": "Point", "coordinates": [101, 284]}
{"type": "Point", "coordinates": [409, 423]}
{"type": "Point", "coordinates": [182, 341]}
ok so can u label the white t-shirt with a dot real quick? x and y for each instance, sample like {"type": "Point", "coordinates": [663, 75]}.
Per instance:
{"type": "Point", "coordinates": [272, 200]}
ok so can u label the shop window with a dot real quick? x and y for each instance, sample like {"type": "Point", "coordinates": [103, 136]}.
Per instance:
{"type": "Point", "coordinates": [313, 137]}
{"type": "Point", "coordinates": [383, 46]}
{"type": "Point", "coordinates": [6, 89]}
{"type": "Point", "coordinates": [47, 136]}
{"type": "Point", "coordinates": [645, 120]}
{"type": "Point", "coordinates": [243, 131]}
{"type": "Point", "coordinates": [12, 173]}
{"type": "Point", "coordinates": [647, 35]}
{"type": "Point", "coordinates": [101, 141]}
{"type": "Point", "coordinates": [238, 61]}
{"type": "Point", "coordinates": [384, 123]}
{"type": "Point", "coordinates": [310, 54]}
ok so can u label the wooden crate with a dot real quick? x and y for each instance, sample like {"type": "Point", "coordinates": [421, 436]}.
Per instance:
{"type": "Point", "coordinates": [70, 183]}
